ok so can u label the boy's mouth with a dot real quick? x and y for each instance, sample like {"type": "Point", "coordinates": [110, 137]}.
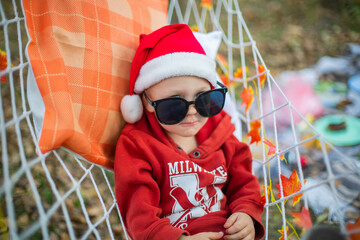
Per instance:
{"type": "Point", "coordinates": [190, 123]}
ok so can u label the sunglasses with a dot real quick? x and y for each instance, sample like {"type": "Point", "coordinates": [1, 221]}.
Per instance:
{"type": "Point", "coordinates": [173, 110]}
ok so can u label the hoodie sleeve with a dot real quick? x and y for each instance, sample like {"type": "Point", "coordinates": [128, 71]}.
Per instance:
{"type": "Point", "coordinates": [243, 190]}
{"type": "Point", "coordinates": [138, 195]}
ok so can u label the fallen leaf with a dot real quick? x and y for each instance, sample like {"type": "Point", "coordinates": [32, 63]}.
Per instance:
{"type": "Point", "coordinates": [247, 97]}
{"type": "Point", "coordinates": [254, 132]}
{"type": "Point", "coordinates": [290, 185]}
{"type": "Point", "coordinates": [302, 219]}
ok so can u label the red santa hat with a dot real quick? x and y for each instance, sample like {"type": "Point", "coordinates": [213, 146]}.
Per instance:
{"type": "Point", "coordinates": [167, 52]}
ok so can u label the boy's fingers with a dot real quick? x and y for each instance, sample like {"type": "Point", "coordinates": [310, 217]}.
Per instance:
{"type": "Point", "coordinates": [230, 221]}
{"type": "Point", "coordinates": [245, 234]}
{"type": "Point", "coordinates": [215, 235]}
{"type": "Point", "coordinates": [236, 237]}
{"type": "Point", "coordinates": [235, 228]}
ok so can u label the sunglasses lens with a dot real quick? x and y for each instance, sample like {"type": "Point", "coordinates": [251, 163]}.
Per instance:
{"type": "Point", "coordinates": [210, 103]}
{"type": "Point", "coordinates": [171, 111]}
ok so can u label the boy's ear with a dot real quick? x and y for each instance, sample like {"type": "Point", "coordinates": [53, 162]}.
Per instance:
{"type": "Point", "coordinates": [146, 104]}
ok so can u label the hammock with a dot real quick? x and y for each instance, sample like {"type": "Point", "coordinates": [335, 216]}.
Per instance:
{"type": "Point", "coordinates": [62, 194]}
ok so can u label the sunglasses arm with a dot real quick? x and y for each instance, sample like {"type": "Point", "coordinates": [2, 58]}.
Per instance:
{"type": "Point", "coordinates": [222, 86]}
{"type": "Point", "coordinates": [149, 101]}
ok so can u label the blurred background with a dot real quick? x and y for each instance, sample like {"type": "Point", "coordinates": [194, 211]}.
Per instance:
{"type": "Point", "coordinates": [293, 35]}
{"type": "Point", "coordinates": [312, 48]}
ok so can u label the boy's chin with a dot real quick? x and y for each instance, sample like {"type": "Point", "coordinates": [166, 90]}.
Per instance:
{"type": "Point", "coordinates": [185, 128]}
{"type": "Point", "coordinates": [180, 131]}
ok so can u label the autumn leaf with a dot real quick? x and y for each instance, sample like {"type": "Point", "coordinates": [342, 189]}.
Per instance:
{"type": "Point", "coordinates": [290, 185]}
{"type": "Point", "coordinates": [356, 226]}
{"type": "Point", "coordinates": [247, 97]}
{"type": "Point", "coordinates": [263, 198]}
{"type": "Point", "coordinates": [302, 219]}
{"type": "Point", "coordinates": [261, 69]}
{"type": "Point", "coordinates": [255, 124]}
{"type": "Point", "coordinates": [206, 3]}
{"type": "Point", "coordinates": [3, 64]}
{"type": "Point", "coordinates": [225, 79]}
{"type": "Point", "coordinates": [282, 233]}
{"type": "Point", "coordinates": [272, 149]}
{"type": "Point", "coordinates": [222, 60]}
{"type": "Point", "coordinates": [194, 28]}
{"type": "Point", "coordinates": [254, 132]}
{"type": "Point", "coordinates": [239, 73]}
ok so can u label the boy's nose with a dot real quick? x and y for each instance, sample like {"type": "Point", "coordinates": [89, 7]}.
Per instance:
{"type": "Point", "coordinates": [192, 109]}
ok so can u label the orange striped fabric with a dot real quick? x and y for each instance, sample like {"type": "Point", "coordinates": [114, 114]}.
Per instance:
{"type": "Point", "coordinates": [81, 52]}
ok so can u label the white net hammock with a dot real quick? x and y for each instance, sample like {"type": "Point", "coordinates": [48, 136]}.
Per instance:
{"type": "Point", "coordinates": [60, 196]}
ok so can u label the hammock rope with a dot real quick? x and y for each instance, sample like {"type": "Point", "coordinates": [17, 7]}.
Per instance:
{"type": "Point", "coordinates": [36, 203]}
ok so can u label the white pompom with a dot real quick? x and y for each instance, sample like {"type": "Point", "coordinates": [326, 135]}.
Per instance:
{"type": "Point", "coordinates": [131, 108]}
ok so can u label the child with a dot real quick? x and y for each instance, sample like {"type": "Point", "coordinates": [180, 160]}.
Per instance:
{"type": "Point", "coordinates": [179, 171]}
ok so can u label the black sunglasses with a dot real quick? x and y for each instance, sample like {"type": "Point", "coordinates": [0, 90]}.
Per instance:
{"type": "Point", "coordinates": [173, 110]}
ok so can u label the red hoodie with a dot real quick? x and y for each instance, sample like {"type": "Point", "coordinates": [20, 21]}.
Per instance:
{"type": "Point", "coordinates": [162, 192]}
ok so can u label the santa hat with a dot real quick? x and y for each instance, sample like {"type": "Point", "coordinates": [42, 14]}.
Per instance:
{"type": "Point", "coordinates": [167, 52]}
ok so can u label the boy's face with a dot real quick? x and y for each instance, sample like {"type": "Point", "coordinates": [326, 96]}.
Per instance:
{"type": "Point", "coordinates": [187, 87]}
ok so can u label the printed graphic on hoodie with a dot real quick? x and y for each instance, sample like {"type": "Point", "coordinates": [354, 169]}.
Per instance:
{"type": "Point", "coordinates": [195, 191]}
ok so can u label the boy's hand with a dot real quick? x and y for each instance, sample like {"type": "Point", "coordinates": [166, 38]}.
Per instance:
{"type": "Point", "coordinates": [239, 226]}
{"type": "Point", "coordinates": [203, 236]}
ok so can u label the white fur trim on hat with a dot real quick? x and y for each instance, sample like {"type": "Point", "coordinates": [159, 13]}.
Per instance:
{"type": "Point", "coordinates": [175, 64]}
{"type": "Point", "coordinates": [131, 108]}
